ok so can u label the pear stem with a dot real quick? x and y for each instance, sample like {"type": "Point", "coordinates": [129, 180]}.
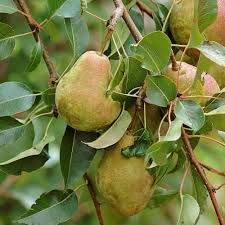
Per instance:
{"type": "Point", "coordinates": [111, 25]}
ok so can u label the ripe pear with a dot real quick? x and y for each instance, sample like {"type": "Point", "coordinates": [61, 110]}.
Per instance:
{"type": "Point", "coordinates": [186, 79]}
{"type": "Point", "coordinates": [124, 182]}
{"type": "Point", "coordinates": [81, 94]}
{"type": "Point", "coordinates": [181, 21]}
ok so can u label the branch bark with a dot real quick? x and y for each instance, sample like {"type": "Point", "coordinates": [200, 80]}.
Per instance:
{"type": "Point", "coordinates": [94, 199]}
{"type": "Point", "coordinates": [144, 8]}
{"type": "Point", "coordinates": [201, 172]}
{"type": "Point", "coordinates": [212, 170]}
{"type": "Point", "coordinates": [34, 26]}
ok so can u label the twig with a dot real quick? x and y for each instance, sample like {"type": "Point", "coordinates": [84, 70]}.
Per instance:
{"type": "Point", "coordinates": [34, 26]}
{"type": "Point", "coordinates": [94, 199]}
{"type": "Point", "coordinates": [6, 184]}
{"type": "Point", "coordinates": [222, 185]}
{"type": "Point", "coordinates": [144, 8]}
{"type": "Point", "coordinates": [208, 138]}
{"type": "Point", "coordinates": [201, 172]}
{"type": "Point", "coordinates": [213, 170]}
{"type": "Point", "coordinates": [128, 20]}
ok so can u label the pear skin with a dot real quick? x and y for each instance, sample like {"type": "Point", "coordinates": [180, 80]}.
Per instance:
{"type": "Point", "coordinates": [124, 182]}
{"type": "Point", "coordinates": [81, 94]}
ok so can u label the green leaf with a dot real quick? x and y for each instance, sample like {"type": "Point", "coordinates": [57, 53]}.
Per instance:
{"type": "Point", "coordinates": [160, 90]}
{"type": "Point", "coordinates": [174, 131]}
{"type": "Point", "coordinates": [51, 208]}
{"type": "Point", "coordinates": [64, 8]}
{"type": "Point", "coordinates": [138, 149]}
{"type": "Point", "coordinates": [160, 197]}
{"type": "Point", "coordinates": [216, 103]}
{"type": "Point", "coordinates": [117, 77]}
{"type": "Point", "coordinates": [216, 117]}
{"type": "Point", "coordinates": [207, 13]}
{"type": "Point", "coordinates": [213, 51]}
{"type": "Point", "coordinates": [200, 190]}
{"type": "Point", "coordinates": [48, 96]}
{"type": "Point", "coordinates": [76, 28]}
{"type": "Point", "coordinates": [7, 43]}
{"type": "Point", "coordinates": [75, 156]}
{"type": "Point", "coordinates": [7, 6]}
{"type": "Point", "coordinates": [135, 75]}
{"type": "Point", "coordinates": [190, 113]}
{"type": "Point", "coordinates": [114, 133]}
{"type": "Point", "coordinates": [153, 51]}
{"type": "Point", "coordinates": [35, 58]}
{"type": "Point", "coordinates": [189, 211]}
{"type": "Point", "coordinates": [160, 151]}
{"type": "Point", "coordinates": [14, 98]}
{"type": "Point", "coordinates": [10, 130]}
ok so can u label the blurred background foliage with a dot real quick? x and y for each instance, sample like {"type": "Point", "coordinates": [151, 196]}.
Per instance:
{"type": "Point", "coordinates": [22, 191]}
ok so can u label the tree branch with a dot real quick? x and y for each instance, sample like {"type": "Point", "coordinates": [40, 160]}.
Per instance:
{"type": "Point", "coordinates": [34, 26]}
{"type": "Point", "coordinates": [144, 8]}
{"type": "Point", "coordinates": [201, 172]}
{"type": "Point", "coordinates": [94, 199]}
{"type": "Point", "coordinates": [213, 170]}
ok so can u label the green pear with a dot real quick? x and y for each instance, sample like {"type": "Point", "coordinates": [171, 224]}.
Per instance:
{"type": "Point", "coordinates": [186, 79]}
{"type": "Point", "coordinates": [124, 182]}
{"type": "Point", "coordinates": [81, 94]}
{"type": "Point", "coordinates": [181, 21]}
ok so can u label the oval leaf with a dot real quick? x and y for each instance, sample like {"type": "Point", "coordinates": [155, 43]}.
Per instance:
{"type": "Point", "coordinates": [51, 208]}
{"type": "Point", "coordinates": [190, 113]}
{"type": "Point", "coordinates": [114, 133]}
{"type": "Point", "coordinates": [160, 90]}
{"type": "Point", "coordinates": [75, 156]}
{"type": "Point", "coordinates": [35, 58]}
{"type": "Point", "coordinates": [153, 51]}
{"type": "Point", "coordinates": [7, 6]}
{"type": "Point", "coordinates": [10, 130]}
{"type": "Point", "coordinates": [7, 43]}
{"type": "Point", "coordinates": [14, 98]}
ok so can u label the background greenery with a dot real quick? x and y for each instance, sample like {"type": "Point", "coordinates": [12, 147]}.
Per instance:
{"type": "Point", "coordinates": [25, 189]}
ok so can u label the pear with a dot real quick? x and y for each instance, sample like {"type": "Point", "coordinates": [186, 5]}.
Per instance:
{"type": "Point", "coordinates": [81, 97]}
{"type": "Point", "coordinates": [181, 21]}
{"type": "Point", "coordinates": [186, 79]}
{"type": "Point", "coordinates": [124, 182]}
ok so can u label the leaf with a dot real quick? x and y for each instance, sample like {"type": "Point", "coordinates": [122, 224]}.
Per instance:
{"type": "Point", "coordinates": [160, 90]}
{"type": "Point", "coordinates": [64, 8]}
{"type": "Point", "coordinates": [35, 58]}
{"type": "Point", "coordinates": [189, 211]}
{"type": "Point", "coordinates": [114, 133]}
{"type": "Point", "coordinates": [213, 51]}
{"type": "Point", "coordinates": [216, 117]}
{"type": "Point", "coordinates": [14, 98]}
{"type": "Point", "coordinates": [135, 75]}
{"type": "Point", "coordinates": [190, 113]}
{"type": "Point", "coordinates": [136, 150]}
{"type": "Point", "coordinates": [75, 156]}
{"type": "Point", "coordinates": [51, 208]}
{"type": "Point", "coordinates": [48, 96]}
{"type": "Point", "coordinates": [160, 197]}
{"type": "Point", "coordinates": [159, 152]}
{"type": "Point", "coordinates": [10, 130]}
{"type": "Point", "coordinates": [7, 6]}
{"type": "Point", "coordinates": [153, 51]}
{"type": "Point", "coordinates": [216, 103]}
{"type": "Point", "coordinates": [207, 13]}
{"type": "Point", "coordinates": [200, 190]}
{"type": "Point", "coordinates": [76, 27]}
{"type": "Point", "coordinates": [117, 77]}
{"type": "Point", "coordinates": [7, 43]}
